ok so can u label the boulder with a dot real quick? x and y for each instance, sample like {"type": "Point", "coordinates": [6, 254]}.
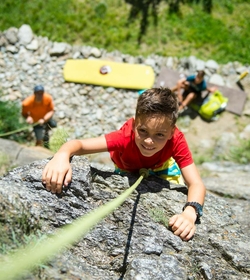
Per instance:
{"type": "Point", "coordinates": [19, 155]}
{"type": "Point", "coordinates": [134, 242]}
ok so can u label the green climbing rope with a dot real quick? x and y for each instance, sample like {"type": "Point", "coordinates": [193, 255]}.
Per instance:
{"type": "Point", "coordinates": [17, 130]}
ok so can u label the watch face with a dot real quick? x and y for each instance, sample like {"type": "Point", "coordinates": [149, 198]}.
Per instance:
{"type": "Point", "coordinates": [198, 208]}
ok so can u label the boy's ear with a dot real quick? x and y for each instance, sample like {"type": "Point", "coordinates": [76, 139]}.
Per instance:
{"type": "Point", "coordinates": [133, 127]}
{"type": "Point", "coordinates": [172, 132]}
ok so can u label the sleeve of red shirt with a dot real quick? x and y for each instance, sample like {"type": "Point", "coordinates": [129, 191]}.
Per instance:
{"type": "Point", "coordinates": [181, 152]}
{"type": "Point", "coordinates": [114, 140]}
{"type": "Point", "coordinates": [117, 140]}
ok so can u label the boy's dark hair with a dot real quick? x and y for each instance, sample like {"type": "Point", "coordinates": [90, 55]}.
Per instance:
{"type": "Point", "coordinates": [158, 101]}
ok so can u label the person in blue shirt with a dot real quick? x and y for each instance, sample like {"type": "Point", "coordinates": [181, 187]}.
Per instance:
{"type": "Point", "coordinates": [190, 88]}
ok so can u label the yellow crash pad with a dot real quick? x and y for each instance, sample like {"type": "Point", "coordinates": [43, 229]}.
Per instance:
{"type": "Point", "coordinates": [115, 74]}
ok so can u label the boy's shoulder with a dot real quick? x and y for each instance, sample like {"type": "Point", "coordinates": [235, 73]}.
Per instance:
{"type": "Point", "coordinates": [124, 131]}
{"type": "Point", "coordinates": [177, 134]}
{"type": "Point", "coordinates": [128, 124]}
{"type": "Point", "coordinates": [128, 127]}
{"type": "Point", "coordinates": [177, 130]}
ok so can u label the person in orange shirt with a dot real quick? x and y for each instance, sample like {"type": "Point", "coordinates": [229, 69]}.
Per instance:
{"type": "Point", "coordinates": [39, 108]}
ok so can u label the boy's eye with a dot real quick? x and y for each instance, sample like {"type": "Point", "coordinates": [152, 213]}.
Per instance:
{"type": "Point", "coordinates": [160, 135]}
{"type": "Point", "coordinates": [141, 130]}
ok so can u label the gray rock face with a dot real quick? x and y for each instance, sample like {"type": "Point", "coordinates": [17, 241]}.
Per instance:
{"type": "Point", "coordinates": [133, 242]}
{"type": "Point", "coordinates": [20, 155]}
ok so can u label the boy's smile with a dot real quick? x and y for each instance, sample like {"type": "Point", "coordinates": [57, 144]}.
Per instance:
{"type": "Point", "coordinates": [152, 133]}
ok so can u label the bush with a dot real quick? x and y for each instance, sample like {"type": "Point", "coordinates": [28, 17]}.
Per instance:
{"type": "Point", "coordinates": [11, 120]}
{"type": "Point", "coordinates": [58, 138]}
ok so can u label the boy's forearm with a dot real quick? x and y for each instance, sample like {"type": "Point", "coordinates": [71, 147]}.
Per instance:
{"type": "Point", "coordinates": [84, 146]}
{"type": "Point", "coordinates": [196, 193]}
{"type": "Point", "coordinates": [70, 148]}
{"type": "Point", "coordinates": [196, 188]}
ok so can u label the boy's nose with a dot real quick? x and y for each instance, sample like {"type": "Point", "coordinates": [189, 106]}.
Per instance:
{"type": "Point", "coordinates": [148, 140]}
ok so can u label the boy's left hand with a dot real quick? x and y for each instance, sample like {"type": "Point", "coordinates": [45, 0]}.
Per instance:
{"type": "Point", "coordinates": [183, 225]}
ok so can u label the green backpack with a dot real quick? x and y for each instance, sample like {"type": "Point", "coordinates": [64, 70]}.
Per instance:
{"type": "Point", "coordinates": [211, 106]}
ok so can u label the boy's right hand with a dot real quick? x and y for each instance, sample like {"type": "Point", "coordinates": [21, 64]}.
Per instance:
{"type": "Point", "coordinates": [57, 173]}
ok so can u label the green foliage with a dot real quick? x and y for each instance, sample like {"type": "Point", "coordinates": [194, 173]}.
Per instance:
{"type": "Point", "coordinates": [228, 4]}
{"type": "Point", "coordinates": [159, 216]}
{"type": "Point", "coordinates": [11, 120]}
{"type": "Point", "coordinates": [4, 163]}
{"type": "Point", "coordinates": [9, 116]}
{"type": "Point", "coordinates": [58, 138]}
{"type": "Point", "coordinates": [221, 35]}
{"type": "Point", "coordinates": [241, 152]}
{"type": "Point", "coordinates": [101, 9]}
{"type": "Point", "coordinates": [206, 156]}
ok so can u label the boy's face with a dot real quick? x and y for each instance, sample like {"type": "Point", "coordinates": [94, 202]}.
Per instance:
{"type": "Point", "coordinates": [152, 133]}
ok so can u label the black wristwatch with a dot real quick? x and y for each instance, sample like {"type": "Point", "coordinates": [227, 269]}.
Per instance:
{"type": "Point", "coordinates": [198, 209]}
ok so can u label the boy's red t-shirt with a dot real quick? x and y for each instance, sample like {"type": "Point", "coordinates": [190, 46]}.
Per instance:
{"type": "Point", "coordinates": [126, 155]}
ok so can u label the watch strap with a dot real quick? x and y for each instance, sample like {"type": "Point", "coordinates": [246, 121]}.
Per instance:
{"type": "Point", "coordinates": [198, 208]}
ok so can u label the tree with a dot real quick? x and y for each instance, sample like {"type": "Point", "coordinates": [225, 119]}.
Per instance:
{"type": "Point", "coordinates": [144, 7]}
